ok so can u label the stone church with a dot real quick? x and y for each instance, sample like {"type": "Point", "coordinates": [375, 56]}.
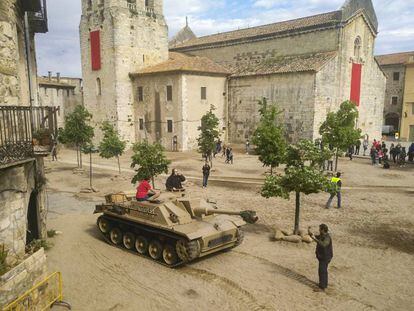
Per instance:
{"type": "Point", "coordinates": [154, 89]}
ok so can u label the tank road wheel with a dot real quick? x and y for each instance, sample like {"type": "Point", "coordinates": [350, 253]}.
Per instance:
{"type": "Point", "coordinates": [104, 225]}
{"type": "Point", "coordinates": [155, 249]}
{"type": "Point", "coordinates": [129, 240]}
{"type": "Point", "coordinates": [115, 236]}
{"type": "Point", "coordinates": [170, 255]}
{"type": "Point", "coordinates": [188, 251]}
{"type": "Point", "coordinates": [141, 245]}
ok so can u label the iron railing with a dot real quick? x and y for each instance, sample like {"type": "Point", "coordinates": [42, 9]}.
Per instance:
{"type": "Point", "coordinates": [38, 19]}
{"type": "Point", "coordinates": [25, 131]}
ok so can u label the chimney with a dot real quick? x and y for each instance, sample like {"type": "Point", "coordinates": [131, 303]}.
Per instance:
{"type": "Point", "coordinates": [58, 76]}
{"type": "Point", "coordinates": [49, 74]}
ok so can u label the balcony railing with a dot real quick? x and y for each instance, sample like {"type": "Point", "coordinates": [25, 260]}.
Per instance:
{"type": "Point", "coordinates": [38, 19]}
{"type": "Point", "coordinates": [25, 131]}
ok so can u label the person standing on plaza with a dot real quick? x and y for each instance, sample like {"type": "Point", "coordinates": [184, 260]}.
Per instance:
{"type": "Point", "coordinates": [350, 152]}
{"type": "Point", "coordinates": [337, 182]}
{"type": "Point", "coordinates": [231, 155]}
{"type": "Point", "coordinates": [411, 153]}
{"type": "Point", "coordinates": [365, 145]}
{"type": "Point", "coordinates": [247, 146]}
{"type": "Point", "coordinates": [398, 152]}
{"type": "Point", "coordinates": [206, 173]}
{"type": "Point", "coordinates": [357, 147]}
{"type": "Point", "coordinates": [324, 253]}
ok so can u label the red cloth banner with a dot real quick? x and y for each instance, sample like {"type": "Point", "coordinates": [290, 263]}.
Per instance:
{"type": "Point", "coordinates": [356, 83]}
{"type": "Point", "coordinates": [95, 49]}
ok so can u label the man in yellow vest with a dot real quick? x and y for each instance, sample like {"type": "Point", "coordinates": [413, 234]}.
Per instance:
{"type": "Point", "coordinates": [338, 184]}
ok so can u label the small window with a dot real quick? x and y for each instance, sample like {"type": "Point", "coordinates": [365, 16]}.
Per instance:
{"type": "Point", "coordinates": [357, 47]}
{"type": "Point", "coordinates": [98, 87]}
{"type": "Point", "coordinates": [169, 92]}
{"type": "Point", "coordinates": [394, 100]}
{"type": "Point", "coordinates": [89, 4]}
{"type": "Point", "coordinates": [140, 94]}
{"type": "Point", "coordinates": [141, 124]}
{"type": "Point", "coordinates": [169, 126]}
{"type": "Point", "coordinates": [203, 92]}
{"type": "Point", "coordinates": [67, 93]}
{"type": "Point", "coordinates": [396, 76]}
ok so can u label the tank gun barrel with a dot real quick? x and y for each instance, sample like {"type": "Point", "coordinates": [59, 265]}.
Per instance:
{"type": "Point", "coordinates": [248, 216]}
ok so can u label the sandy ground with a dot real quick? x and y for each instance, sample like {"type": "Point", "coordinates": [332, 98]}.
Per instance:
{"type": "Point", "coordinates": [372, 269]}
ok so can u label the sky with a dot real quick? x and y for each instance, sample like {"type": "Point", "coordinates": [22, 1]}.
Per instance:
{"type": "Point", "coordinates": [59, 49]}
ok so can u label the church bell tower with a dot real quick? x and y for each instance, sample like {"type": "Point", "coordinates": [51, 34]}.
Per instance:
{"type": "Point", "coordinates": [118, 37]}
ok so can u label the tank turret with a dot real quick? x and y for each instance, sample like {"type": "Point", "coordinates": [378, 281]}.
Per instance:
{"type": "Point", "coordinates": [172, 231]}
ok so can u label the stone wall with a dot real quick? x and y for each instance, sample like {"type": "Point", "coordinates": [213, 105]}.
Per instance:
{"type": "Point", "coordinates": [292, 92]}
{"type": "Point", "coordinates": [17, 184]}
{"type": "Point", "coordinates": [14, 85]}
{"type": "Point", "coordinates": [394, 88]}
{"type": "Point", "coordinates": [297, 44]}
{"type": "Point", "coordinates": [21, 278]}
{"type": "Point", "coordinates": [129, 42]}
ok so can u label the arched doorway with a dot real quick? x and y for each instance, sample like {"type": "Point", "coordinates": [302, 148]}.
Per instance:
{"type": "Point", "coordinates": [32, 230]}
{"type": "Point", "coordinates": [394, 120]}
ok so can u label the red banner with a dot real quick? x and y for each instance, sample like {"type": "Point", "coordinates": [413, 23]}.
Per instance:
{"type": "Point", "coordinates": [356, 83]}
{"type": "Point", "coordinates": [95, 49]}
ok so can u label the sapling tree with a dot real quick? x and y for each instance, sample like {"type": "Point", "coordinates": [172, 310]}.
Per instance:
{"type": "Point", "coordinates": [339, 130]}
{"type": "Point", "coordinates": [269, 137]}
{"type": "Point", "coordinates": [111, 145]}
{"type": "Point", "coordinates": [209, 134]}
{"type": "Point", "coordinates": [149, 161]}
{"type": "Point", "coordinates": [77, 130]}
{"type": "Point", "coordinates": [302, 174]}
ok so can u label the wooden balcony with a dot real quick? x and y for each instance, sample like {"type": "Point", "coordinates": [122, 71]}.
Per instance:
{"type": "Point", "coordinates": [26, 132]}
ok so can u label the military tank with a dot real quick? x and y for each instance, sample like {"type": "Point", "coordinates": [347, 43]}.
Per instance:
{"type": "Point", "coordinates": [172, 231]}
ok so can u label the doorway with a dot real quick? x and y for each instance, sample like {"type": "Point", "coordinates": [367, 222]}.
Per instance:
{"type": "Point", "coordinates": [32, 230]}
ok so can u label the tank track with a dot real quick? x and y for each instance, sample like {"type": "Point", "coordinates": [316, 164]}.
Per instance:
{"type": "Point", "coordinates": [188, 250]}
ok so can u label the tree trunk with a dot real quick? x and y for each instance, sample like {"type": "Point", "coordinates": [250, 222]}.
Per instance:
{"type": "Point", "coordinates": [77, 155]}
{"type": "Point", "coordinates": [153, 182]}
{"type": "Point", "coordinates": [211, 160]}
{"type": "Point", "coordinates": [80, 157]}
{"type": "Point", "coordinates": [90, 170]}
{"type": "Point", "coordinates": [119, 165]}
{"type": "Point", "coordinates": [297, 214]}
{"type": "Point", "coordinates": [271, 169]}
{"type": "Point", "coordinates": [336, 160]}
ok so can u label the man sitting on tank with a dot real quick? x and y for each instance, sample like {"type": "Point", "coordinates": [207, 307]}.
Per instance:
{"type": "Point", "coordinates": [145, 191]}
{"type": "Point", "coordinates": [174, 181]}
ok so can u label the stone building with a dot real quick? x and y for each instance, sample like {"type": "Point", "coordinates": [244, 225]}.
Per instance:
{"type": "Point", "coordinates": [394, 67]}
{"type": "Point", "coordinates": [63, 93]}
{"type": "Point", "coordinates": [307, 66]}
{"type": "Point", "coordinates": [407, 121]}
{"type": "Point", "coordinates": [22, 182]}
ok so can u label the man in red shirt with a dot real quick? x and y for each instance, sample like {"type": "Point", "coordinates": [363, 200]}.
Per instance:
{"type": "Point", "coordinates": [145, 192]}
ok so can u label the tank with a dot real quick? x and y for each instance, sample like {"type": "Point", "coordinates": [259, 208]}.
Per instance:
{"type": "Point", "coordinates": [172, 231]}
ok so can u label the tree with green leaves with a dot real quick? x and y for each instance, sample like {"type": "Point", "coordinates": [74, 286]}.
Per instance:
{"type": "Point", "coordinates": [111, 145]}
{"type": "Point", "coordinates": [339, 130]}
{"type": "Point", "coordinates": [302, 174]}
{"type": "Point", "coordinates": [269, 137]}
{"type": "Point", "coordinates": [77, 130]}
{"type": "Point", "coordinates": [149, 161]}
{"type": "Point", "coordinates": [209, 134]}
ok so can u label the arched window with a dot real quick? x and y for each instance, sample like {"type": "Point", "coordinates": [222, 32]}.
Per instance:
{"type": "Point", "coordinates": [357, 47]}
{"type": "Point", "coordinates": [98, 87]}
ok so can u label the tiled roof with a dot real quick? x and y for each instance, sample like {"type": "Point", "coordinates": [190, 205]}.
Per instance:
{"type": "Point", "coordinates": [321, 20]}
{"type": "Point", "coordinates": [186, 63]}
{"type": "Point", "coordinates": [394, 59]}
{"type": "Point", "coordinates": [298, 63]}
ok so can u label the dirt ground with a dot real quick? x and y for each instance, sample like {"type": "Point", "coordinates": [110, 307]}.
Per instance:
{"type": "Point", "coordinates": [373, 235]}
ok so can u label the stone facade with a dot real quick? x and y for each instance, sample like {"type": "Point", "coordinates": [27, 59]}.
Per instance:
{"type": "Point", "coordinates": [305, 93]}
{"type": "Point", "coordinates": [132, 36]}
{"type": "Point", "coordinates": [14, 80]}
{"type": "Point", "coordinates": [22, 206]}
{"type": "Point", "coordinates": [407, 122]}
{"type": "Point", "coordinates": [22, 277]}
{"type": "Point", "coordinates": [63, 92]}
{"type": "Point", "coordinates": [183, 111]}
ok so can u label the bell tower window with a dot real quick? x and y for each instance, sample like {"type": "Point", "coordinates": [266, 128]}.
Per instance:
{"type": "Point", "coordinates": [357, 48]}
